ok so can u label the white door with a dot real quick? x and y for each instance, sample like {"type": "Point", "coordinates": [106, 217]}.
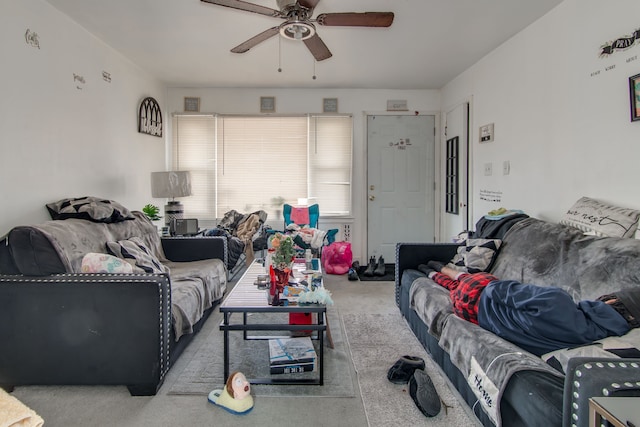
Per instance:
{"type": "Point", "coordinates": [401, 182]}
{"type": "Point", "coordinates": [455, 170]}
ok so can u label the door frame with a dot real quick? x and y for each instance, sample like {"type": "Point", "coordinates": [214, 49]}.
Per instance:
{"type": "Point", "coordinates": [364, 241]}
{"type": "Point", "coordinates": [470, 133]}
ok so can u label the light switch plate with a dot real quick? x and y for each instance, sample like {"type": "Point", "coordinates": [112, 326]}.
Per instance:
{"type": "Point", "coordinates": [488, 169]}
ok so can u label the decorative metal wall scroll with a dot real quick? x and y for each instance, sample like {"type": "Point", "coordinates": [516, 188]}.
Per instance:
{"type": "Point", "coordinates": [150, 117]}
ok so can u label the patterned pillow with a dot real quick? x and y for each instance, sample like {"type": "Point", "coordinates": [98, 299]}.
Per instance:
{"type": "Point", "coordinates": [591, 215]}
{"type": "Point", "coordinates": [137, 254]}
{"type": "Point", "coordinates": [476, 255]}
{"type": "Point", "coordinates": [104, 263]}
{"type": "Point", "coordinates": [89, 208]}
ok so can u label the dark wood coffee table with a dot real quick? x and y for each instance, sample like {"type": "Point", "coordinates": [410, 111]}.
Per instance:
{"type": "Point", "coordinates": [245, 298]}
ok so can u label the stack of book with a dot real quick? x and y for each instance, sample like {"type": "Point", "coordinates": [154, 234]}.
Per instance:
{"type": "Point", "coordinates": [291, 355]}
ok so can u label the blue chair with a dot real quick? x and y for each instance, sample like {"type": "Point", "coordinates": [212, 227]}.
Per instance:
{"type": "Point", "coordinates": [305, 216]}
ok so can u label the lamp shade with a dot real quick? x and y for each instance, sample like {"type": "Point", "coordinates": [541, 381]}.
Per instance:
{"type": "Point", "coordinates": [170, 184]}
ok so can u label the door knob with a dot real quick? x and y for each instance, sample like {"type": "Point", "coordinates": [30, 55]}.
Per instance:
{"type": "Point", "coordinates": [372, 198]}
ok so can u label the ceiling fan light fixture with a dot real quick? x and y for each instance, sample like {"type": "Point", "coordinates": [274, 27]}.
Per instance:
{"type": "Point", "coordinates": [297, 30]}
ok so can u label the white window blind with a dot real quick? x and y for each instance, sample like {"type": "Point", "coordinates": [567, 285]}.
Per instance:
{"type": "Point", "coordinates": [248, 163]}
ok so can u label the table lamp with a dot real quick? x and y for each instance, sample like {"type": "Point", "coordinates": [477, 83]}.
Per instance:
{"type": "Point", "coordinates": [171, 184]}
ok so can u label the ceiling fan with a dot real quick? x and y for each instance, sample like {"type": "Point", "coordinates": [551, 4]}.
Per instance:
{"type": "Point", "coordinates": [298, 24]}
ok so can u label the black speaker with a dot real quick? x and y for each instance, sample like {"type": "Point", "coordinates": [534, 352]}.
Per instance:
{"type": "Point", "coordinates": [183, 227]}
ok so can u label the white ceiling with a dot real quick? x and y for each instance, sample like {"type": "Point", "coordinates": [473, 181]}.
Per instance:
{"type": "Point", "coordinates": [187, 42]}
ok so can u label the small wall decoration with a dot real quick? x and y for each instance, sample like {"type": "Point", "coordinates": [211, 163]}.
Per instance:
{"type": "Point", "coordinates": [402, 144]}
{"type": "Point", "coordinates": [621, 43]}
{"type": "Point", "coordinates": [191, 104]}
{"type": "Point", "coordinates": [634, 97]}
{"type": "Point", "coordinates": [150, 117]}
{"type": "Point", "coordinates": [31, 38]}
{"type": "Point", "coordinates": [106, 77]}
{"type": "Point", "coordinates": [330, 105]}
{"type": "Point", "coordinates": [397, 105]}
{"type": "Point", "coordinates": [78, 79]}
{"type": "Point", "coordinates": [267, 104]}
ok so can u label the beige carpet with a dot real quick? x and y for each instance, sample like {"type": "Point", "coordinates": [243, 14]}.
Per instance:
{"type": "Point", "coordinates": [205, 370]}
{"type": "Point", "coordinates": [376, 342]}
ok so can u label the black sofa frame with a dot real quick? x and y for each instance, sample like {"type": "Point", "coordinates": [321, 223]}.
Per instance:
{"type": "Point", "coordinates": [94, 329]}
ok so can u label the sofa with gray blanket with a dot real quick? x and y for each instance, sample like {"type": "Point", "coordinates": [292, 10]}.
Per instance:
{"type": "Point", "coordinates": [102, 301]}
{"type": "Point", "coordinates": [501, 382]}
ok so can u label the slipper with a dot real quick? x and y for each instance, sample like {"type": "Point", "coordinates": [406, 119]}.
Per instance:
{"type": "Point", "coordinates": [424, 394]}
{"type": "Point", "coordinates": [403, 369]}
{"type": "Point", "coordinates": [223, 399]}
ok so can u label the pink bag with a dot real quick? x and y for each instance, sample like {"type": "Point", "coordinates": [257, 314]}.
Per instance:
{"type": "Point", "coordinates": [337, 257]}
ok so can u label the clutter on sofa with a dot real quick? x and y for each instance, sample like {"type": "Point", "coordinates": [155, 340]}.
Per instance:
{"type": "Point", "coordinates": [245, 234]}
{"type": "Point", "coordinates": [502, 382]}
{"type": "Point", "coordinates": [110, 301]}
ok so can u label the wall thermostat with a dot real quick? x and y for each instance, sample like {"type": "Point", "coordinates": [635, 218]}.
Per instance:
{"type": "Point", "coordinates": [486, 133]}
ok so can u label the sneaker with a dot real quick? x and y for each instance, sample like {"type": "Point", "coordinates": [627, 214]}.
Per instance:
{"type": "Point", "coordinates": [403, 369]}
{"type": "Point", "coordinates": [353, 274]}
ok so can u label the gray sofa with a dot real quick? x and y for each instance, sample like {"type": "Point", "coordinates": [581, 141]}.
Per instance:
{"type": "Point", "coordinates": [502, 383]}
{"type": "Point", "coordinates": [59, 325]}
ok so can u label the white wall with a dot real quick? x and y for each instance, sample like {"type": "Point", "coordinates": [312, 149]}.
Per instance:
{"type": "Point", "coordinates": [357, 102]}
{"type": "Point", "coordinates": [57, 140]}
{"type": "Point", "coordinates": [565, 132]}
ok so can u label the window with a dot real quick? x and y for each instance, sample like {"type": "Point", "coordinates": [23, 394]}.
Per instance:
{"type": "Point", "coordinates": [248, 163]}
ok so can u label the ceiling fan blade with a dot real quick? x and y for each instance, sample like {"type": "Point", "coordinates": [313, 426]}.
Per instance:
{"type": "Point", "coordinates": [318, 49]}
{"type": "Point", "coordinates": [246, 6]}
{"type": "Point", "coordinates": [352, 19]}
{"type": "Point", "coordinates": [267, 34]}
{"type": "Point", "coordinates": [308, 4]}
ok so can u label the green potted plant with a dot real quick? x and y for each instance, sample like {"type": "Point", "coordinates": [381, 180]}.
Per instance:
{"type": "Point", "coordinates": [152, 211]}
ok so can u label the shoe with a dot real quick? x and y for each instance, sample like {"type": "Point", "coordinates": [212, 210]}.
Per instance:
{"type": "Point", "coordinates": [424, 394]}
{"type": "Point", "coordinates": [436, 265]}
{"type": "Point", "coordinates": [355, 265]}
{"type": "Point", "coordinates": [371, 267]}
{"type": "Point", "coordinates": [403, 369]}
{"type": "Point", "coordinates": [425, 269]}
{"type": "Point", "coordinates": [353, 274]}
{"type": "Point", "coordinates": [380, 268]}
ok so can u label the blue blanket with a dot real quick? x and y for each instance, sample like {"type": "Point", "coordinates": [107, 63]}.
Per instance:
{"type": "Point", "coordinates": [543, 319]}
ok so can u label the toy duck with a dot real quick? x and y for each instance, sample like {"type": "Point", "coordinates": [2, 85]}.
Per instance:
{"type": "Point", "coordinates": [235, 397]}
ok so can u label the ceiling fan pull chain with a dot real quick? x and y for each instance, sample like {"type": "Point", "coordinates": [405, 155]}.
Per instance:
{"type": "Point", "coordinates": [279, 55]}
{"type": "Point", "coordinates": [314, 69]}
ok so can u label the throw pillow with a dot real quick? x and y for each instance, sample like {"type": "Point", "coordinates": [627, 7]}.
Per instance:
{"type": "Point", "coordinates": [89, 208]}
{"type": "Point", "coordinates": [104, 263]}
{"type": "Point", "coordinates": [476, 255]}
{"type": "Point", "coordinates": [591, 215]}
{"type": "Point", "coordinates": [136, 253]}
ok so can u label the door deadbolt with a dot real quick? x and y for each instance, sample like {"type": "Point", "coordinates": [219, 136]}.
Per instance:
{"type": "Point", "coordinates": [372, 198]}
